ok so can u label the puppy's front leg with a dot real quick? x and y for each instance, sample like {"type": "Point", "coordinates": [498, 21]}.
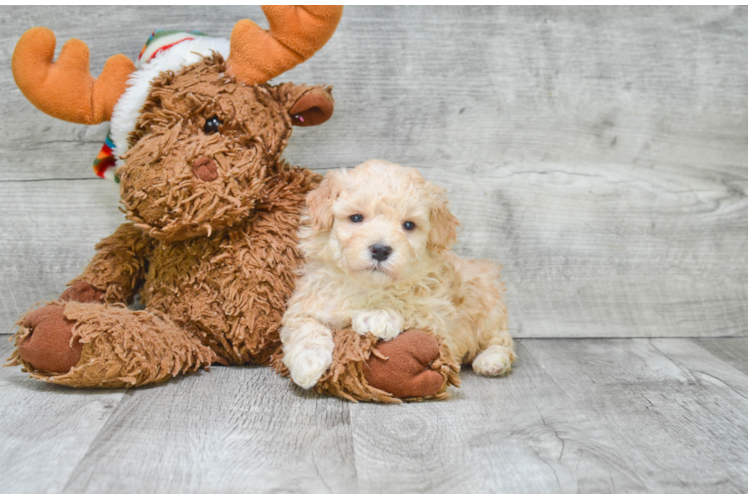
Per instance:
{"type": "Point", "coordinates": [307, 350]}
{"type": "Point", "coordinates": [382, 323]}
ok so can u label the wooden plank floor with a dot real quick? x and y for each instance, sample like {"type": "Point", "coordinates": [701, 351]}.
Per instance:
{"type": "Point", "coordinates": [576, 415]}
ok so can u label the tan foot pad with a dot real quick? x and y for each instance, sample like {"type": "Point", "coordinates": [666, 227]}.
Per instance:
{"type": "Point", "coordinates": [407, 371]}
{"type": "Point", "coordinates": [47, 347]}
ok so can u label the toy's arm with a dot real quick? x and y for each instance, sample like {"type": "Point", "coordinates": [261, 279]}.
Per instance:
{"type": "Point", "coordinates": [115, 272]}
{"type": "Point", "coordinates": [321, 350]}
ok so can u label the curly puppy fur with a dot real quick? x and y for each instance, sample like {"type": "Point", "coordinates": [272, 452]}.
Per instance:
{"type": "Point", "coordinates": [215, 256]}
{"type": "Point", "coordinates": [369, 270]}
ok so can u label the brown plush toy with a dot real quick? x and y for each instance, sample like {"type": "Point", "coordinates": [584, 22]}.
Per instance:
{"type": "Point", "coordinates": [213, 211]}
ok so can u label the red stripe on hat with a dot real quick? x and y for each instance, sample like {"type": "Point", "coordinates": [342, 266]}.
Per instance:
{"type": "Point", "coordinates": [166, 47]}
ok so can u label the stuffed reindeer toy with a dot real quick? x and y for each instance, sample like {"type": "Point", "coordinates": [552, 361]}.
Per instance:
{"type": "Point", "coordinates": [213, 211]}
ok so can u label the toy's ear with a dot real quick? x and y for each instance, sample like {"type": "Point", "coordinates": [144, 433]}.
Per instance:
{"type": "Point", "coordinates": [307, 105]}
{"type": "Point", "coordinates": [443, 233]}
{"type": "Point", "coordinates": [320, 202]}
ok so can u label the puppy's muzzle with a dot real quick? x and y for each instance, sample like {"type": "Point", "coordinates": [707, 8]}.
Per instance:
{"type": "Point", "coordinates": [380, 252]}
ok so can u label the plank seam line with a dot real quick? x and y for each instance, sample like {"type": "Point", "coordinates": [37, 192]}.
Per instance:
{"type": "Point", "coordinates": [353, 447]}
{"type": "Point", "coordinates": [94, 441]}
{"type": "Point", "coordinates": [9, 181]}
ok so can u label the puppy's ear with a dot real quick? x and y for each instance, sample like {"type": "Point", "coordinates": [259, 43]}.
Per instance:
{"type": "Point", "coordinates": [320, 202]}
{"type": "Point", "coordinates": [443, 233]}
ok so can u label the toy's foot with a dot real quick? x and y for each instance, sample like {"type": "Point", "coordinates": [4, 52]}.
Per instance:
{"type": "Point", "coordinates": [413, 366]}
{"type": "Point", "coordinates": [407, 371]}
{"type": "Point", "coordinates": [494, 361]}
{"type": "Point", "coordinates": [47, 344]}
{"type": "Point", "coordinates": [98, 345]}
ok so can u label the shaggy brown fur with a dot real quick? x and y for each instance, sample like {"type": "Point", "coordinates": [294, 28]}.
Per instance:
{"type": "Point", "coordinates": [123, 348]}
{"type": "Point", "coordinates": [211, 247]}
{"type": "Point", "coordinates": [214, 261]}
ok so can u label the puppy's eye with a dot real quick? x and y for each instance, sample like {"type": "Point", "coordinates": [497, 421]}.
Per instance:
{"type": "Point", "coordinates": [211, 125]}
{"type": "Point", "coordinates": [408, 225]}
{"type": "Point", "coordinates": [357, 218]}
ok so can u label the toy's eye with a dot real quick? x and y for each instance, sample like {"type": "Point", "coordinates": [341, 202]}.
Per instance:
{"type": "Point", "coordinates": [211, 125]}
{"type": "Point", "coordinates": [357, 218]}
{"type": "Point", "coordinates": [408, 225]}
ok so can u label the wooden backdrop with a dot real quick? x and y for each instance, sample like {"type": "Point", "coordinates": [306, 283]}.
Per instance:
{"type": "Point", "coordinates": [598, 153]}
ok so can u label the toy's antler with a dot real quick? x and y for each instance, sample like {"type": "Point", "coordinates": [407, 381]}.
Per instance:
{"type": "Point", "coordinates": [296, 33]}
{"type": "Point", "coordinates": [65, 89]}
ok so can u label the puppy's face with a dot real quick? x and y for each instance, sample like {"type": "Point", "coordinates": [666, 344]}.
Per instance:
{"type": "Point", "coordinates": [380, 221]}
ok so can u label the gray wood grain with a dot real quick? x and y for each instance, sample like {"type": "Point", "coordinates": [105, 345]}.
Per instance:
{"type": "Point", "coordinates": [597, 152]}
{"type": "Point", "coordinates": [47, 235]}
{"type": "Point", "coordinates": [589, 416]}
{"type": "Point", "coordinates": [233, 430]}
{"type": "Point", "coordinates": [732, 351]}
{"type": "Point", "coordinates": [467, 87]}
{"type": "Point", "coordinates": [516, 434]}
{"type": "Point", "coordinates": [45, 430]}
{"type": "Point", "coordinates": [677, 411]}
{"type": "Point", "coordinates": [576, 415]}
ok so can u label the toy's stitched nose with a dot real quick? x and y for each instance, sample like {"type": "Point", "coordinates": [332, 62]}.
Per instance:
{"type": "Point", "coordinates": [380, 252]}
{"type": "Point", "coordinates": [205, 169]}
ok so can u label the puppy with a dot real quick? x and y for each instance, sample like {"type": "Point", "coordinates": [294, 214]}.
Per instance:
{"type": "Point", "coordinates": [376, 241]}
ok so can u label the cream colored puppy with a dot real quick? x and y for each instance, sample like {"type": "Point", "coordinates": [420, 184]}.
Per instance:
{"type": "Point", "coordinates": [376, 241]}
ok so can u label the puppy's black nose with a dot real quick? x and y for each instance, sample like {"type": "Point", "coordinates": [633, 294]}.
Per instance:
{"type": "Point", "coordinates": [380, 252]}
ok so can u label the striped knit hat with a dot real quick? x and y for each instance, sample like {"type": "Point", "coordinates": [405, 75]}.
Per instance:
{"type": "Point", "coordinates": [165, 50]}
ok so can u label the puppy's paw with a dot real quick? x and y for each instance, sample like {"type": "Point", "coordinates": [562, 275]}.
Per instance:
{"type": "Point", "coordinates": [382, 323]}
{"type": "Point", "coordinates": [308, 365]}
{"type": "Point", "coordinates": [494, 361]}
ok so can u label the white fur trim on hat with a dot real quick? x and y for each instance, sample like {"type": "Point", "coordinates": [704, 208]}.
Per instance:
{"type": "Point", "coordinates": [128, 107]}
